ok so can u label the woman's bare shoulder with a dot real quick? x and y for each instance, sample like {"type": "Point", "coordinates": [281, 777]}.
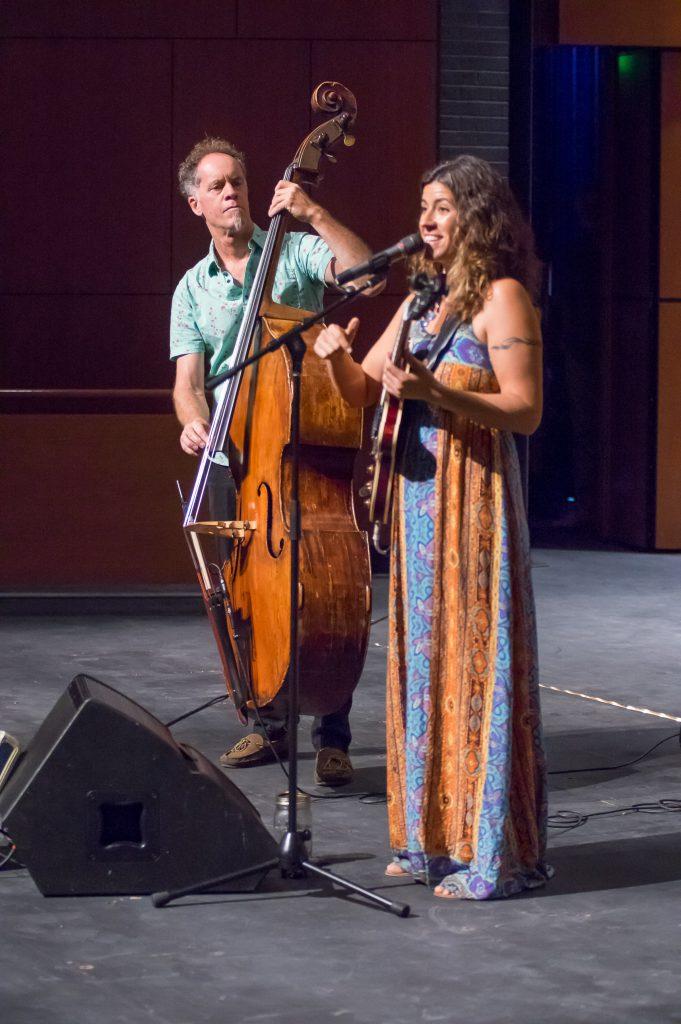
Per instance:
{"type": "Point", "coordinates": [507, 291]}
{"type": "Point", "coordinates": [507, 309]}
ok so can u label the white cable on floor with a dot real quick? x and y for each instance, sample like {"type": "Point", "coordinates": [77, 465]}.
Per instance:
{"type": "Point", "coordinates": [612, 703]}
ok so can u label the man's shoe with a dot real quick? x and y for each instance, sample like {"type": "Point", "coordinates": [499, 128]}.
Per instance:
{"type": "Point", "coordinates": [254, 750]}
{"type": "Point", "coordinates": [333, 767]}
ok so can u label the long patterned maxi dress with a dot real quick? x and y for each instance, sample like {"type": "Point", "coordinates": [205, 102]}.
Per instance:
{"type": "Point", "coordinates": [466, 772]}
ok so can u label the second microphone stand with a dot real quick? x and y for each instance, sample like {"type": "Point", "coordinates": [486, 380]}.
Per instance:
{"type": "Point", "coordinates": [292, 854]}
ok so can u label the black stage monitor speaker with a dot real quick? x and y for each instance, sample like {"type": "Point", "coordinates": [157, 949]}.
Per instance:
{"type": "Point", "coordinates": [105, 801]}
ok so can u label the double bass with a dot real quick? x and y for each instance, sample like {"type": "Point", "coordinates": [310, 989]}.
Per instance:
{"type": "Point", "coordinates": [247, 597]}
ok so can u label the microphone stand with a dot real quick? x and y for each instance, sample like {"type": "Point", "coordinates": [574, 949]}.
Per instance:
{"type": "Point", "coordinates": [292, 855]}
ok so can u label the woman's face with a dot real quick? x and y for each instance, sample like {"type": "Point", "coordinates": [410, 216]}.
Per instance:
{"type": "Point", "coordinates": [437, 223]}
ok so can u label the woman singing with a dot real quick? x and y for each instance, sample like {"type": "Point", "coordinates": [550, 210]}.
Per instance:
{"type": "Point", "coordinates": [466, 776]}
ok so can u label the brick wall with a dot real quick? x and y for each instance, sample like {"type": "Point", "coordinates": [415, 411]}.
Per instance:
{"type": "Point", "coordinates": [474, 80]}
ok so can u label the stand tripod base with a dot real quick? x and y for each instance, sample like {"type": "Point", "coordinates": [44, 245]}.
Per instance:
{"type": "Point", "coordinates": [292, 862]}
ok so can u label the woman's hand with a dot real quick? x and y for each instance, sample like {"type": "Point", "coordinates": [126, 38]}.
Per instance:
{"type": "Point", "coordinates": [414, 383]}
{"type": "Point", "coordinates": [334, 340]}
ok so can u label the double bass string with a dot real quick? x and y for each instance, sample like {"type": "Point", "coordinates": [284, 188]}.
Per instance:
{"type": "Point", "coordinates": [222, 417]}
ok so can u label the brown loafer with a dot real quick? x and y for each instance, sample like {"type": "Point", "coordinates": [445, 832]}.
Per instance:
{"type": "Point", "coordinates": [333, 767]}
{"type": "Point", "coordinates": [253, 750]}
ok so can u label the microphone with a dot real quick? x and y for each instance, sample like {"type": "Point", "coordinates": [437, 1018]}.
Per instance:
{"type": "Point", "coordinates": [382, 260]}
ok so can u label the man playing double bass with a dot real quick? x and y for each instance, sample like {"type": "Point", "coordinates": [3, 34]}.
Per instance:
{"type": "Point", "coordinates": [207, 310]}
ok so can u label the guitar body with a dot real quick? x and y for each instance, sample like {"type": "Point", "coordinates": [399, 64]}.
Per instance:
{"type": "Point", "coordinates": [385, 461]}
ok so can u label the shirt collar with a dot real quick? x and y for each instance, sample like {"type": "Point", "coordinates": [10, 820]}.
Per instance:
{"type": "Point", "coordinates": [257, 240]}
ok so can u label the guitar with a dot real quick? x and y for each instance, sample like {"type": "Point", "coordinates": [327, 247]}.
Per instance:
{"type": "Point", "coordinates": [388, 420]}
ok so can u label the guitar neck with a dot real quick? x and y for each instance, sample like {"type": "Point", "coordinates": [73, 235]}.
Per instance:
{"type": "Point", "coordinates": [397, 354]}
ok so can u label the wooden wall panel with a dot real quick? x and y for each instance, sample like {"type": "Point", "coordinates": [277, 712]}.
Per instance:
{"type": "Point", "coordinates": [87, 138]}
{"type": "Point", "coordinates": [94, 19]}
{"type": "Point", "coordinates": [620, 22]}
{"type": "Point", "coordinates": [103, 99]}
{"type": "Point", "coordinates": [628, 512]}
{"type": "Point", "coordinates": [668, 519]}
{"type": "Point", "coordinates": [259, 98]}
{"type": "Point", "coordinates": [670, 177]}
{"type": "Point", "coordinates": [95, 504]}
{"type": "Point", "coordinates": [341, 19]}
{"type": "Point", "coordinates": [86, 341]}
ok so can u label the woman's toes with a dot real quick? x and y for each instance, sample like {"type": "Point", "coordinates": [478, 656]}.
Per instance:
{"type": "Point", "coordinates": [394, 869]}
{"type": "Point", "coordinates": [441, 890]}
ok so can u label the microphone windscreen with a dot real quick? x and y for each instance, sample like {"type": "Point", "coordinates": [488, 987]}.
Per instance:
{"type": "Point", "coordinates": [412, 243]}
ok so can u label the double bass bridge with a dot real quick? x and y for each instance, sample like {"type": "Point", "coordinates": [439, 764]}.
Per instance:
{"type": "Point", "coordinates": [234, 529]}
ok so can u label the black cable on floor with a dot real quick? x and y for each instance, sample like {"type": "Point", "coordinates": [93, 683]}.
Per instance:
{"type": "Point", "coordinates": [568, 820]}
{"type": "Point", "coordinates": [195, 711]}
{"type": "Point", "coordinates": [615, 767]}
{"type": "Point", "coordinates": [381, 797]}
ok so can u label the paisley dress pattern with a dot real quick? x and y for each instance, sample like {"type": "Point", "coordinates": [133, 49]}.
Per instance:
{"type": "Point", "coordinates": [466, 770]}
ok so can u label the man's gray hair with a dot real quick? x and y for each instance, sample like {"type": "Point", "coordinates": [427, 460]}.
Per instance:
{"type": "Point", "coordinates": [186, 172]}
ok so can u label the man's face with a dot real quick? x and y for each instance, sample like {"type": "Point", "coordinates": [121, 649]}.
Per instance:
{"type": "Point", "coordinates": [221, 194]}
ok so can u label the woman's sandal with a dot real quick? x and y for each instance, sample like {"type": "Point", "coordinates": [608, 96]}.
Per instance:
{"type": "Point", "coordinates": [447, 890]}
{"type": "Point", "coordinates": [398, 867]}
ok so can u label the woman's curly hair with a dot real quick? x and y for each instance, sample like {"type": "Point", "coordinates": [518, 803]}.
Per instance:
{"type": "Point", "coordinates": [491, 239]}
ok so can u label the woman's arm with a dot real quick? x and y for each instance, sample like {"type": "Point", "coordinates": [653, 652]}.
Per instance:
{"type": "Point", "coordinates": [359, 384]}
{"type": "Point", "coordinates": [509, 325]}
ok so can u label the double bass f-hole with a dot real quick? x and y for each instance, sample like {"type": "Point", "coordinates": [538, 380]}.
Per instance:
{"type": "Point", "coordinates": [268, 532]}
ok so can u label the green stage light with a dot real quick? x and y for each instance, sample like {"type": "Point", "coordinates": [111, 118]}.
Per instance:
{"type": "Point", "coordinates": [626, 63]}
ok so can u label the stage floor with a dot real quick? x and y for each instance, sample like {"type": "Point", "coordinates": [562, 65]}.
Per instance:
{"type": "Point", "coordinates": [599, 943]}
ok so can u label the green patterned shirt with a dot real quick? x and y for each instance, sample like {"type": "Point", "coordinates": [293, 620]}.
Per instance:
{"type": "Point", "coordinates": [209, 305]}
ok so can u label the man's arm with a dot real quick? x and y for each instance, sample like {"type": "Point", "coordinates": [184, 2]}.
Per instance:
{"type": "Point", "coordinates": [347, 247]}
{"type": "Point", "coordinates": [189, 399]}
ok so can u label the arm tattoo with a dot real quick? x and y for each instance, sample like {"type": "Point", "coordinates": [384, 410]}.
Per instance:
{"type": "Point", "coordinates": [509, 342]}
